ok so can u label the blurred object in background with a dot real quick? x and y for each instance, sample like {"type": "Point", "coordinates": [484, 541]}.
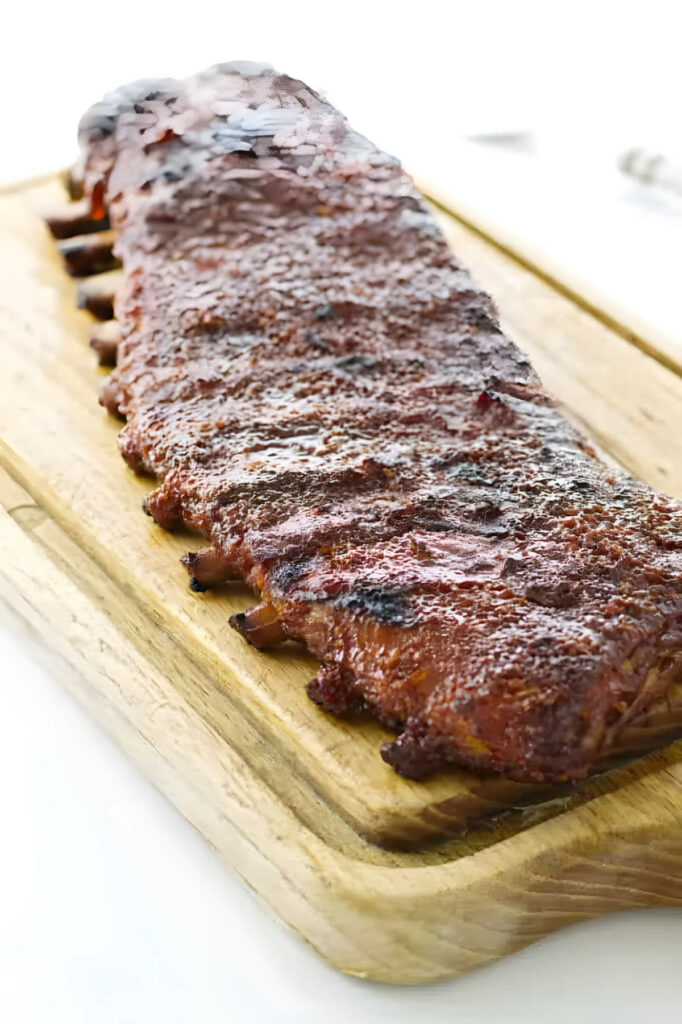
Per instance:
{"type": "Point", "coordinates": [653, 169]}
{"type": "Point", "coordinates": [522, 140]}
{"type": "Point", "coordinates": [554, 193]}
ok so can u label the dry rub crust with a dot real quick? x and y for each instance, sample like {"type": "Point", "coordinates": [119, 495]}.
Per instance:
{"type": "Point", "coordinates": [325, 395]}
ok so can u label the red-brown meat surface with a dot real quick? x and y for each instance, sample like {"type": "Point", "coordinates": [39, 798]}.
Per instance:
{"type": "Point", "coordinates": [325, 395]}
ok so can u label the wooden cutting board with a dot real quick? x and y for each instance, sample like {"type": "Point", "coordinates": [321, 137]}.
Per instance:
{"type": "Point", "coordinates": [388, 879]}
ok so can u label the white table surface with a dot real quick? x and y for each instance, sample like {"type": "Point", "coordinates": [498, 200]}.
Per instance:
{"type": "Point", "coordinates": [112, 908]}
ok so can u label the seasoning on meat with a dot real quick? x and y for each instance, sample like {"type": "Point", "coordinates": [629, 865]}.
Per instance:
{"type": "Point", "coordinates": [326, 397]}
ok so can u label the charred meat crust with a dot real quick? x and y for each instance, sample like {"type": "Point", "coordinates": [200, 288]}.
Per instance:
{"type": "Point", "coordinates": [327, 398]}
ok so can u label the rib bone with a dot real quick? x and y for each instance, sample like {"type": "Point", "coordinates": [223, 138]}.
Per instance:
{"type": "Point", "coordinates": [104, 339]}
{"type": "Point", "coordinates": [96, 294]}
{"type": "Point", "coordinates": [259, 625]}
{"type": "Point", "coordinates": [207, 568]}
{"type": "Point", "coordinates": [74, 218]}
{"type": "Point", "coordinates": [89, 254]}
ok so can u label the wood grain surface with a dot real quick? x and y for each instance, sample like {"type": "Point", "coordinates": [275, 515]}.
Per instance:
{"type": "Point", "coordinates": [385, 878]}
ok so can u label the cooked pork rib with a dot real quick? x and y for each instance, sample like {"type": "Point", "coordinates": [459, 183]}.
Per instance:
{"type": "Point", "coordinates": [326, 397]}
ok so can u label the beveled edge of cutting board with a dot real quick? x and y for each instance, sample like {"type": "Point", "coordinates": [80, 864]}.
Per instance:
{"type": "Point", "coordinates": [400, 918]}
{"type": "Point", "coordinates": [385, 808]}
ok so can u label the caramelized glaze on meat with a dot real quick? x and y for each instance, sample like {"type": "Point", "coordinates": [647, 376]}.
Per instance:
{"type": "Point", "coordinates": [326, 397]}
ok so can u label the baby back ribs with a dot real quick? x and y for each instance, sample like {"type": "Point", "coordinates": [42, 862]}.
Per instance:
{"type": "Point", "coordinates": [326, 396]}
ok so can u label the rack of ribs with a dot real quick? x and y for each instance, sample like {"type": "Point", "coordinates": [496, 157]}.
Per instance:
{"type": "Point", "coordinates": [326, 397]}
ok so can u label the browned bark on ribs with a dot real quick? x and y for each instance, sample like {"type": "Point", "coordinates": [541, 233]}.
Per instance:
{"type": "Point", "coordinates": [325, 395]}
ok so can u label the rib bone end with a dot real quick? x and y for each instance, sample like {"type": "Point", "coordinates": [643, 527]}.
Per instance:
{"type": "Point", "coordinates": [96, 293]}
{"type": "Point", "coordinates": [89, 254]}
{"type": "Point", "coordinates": [104, 340]}
{"type": "Point", "coordinates": [74, 218]}
{"type": "Point", "coordinates": [207, 568]}
{"type": "Point", "coordinates": [261, 626]}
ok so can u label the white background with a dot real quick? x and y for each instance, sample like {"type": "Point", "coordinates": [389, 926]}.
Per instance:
{"type": "Point", "coordinates": [112, 909]}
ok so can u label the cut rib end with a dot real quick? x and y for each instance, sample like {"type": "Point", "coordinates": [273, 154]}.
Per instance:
{"type": "Point", "coordinates": [260, 625]}
{"type": "Point", "coordinates": [164, 510]}
{"type": "Point", "coordinates": [207, 568]}
{"type": "Point", "coordinates": [332, 689]}
{"type": "Point", "coordinates": [104, 341]}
